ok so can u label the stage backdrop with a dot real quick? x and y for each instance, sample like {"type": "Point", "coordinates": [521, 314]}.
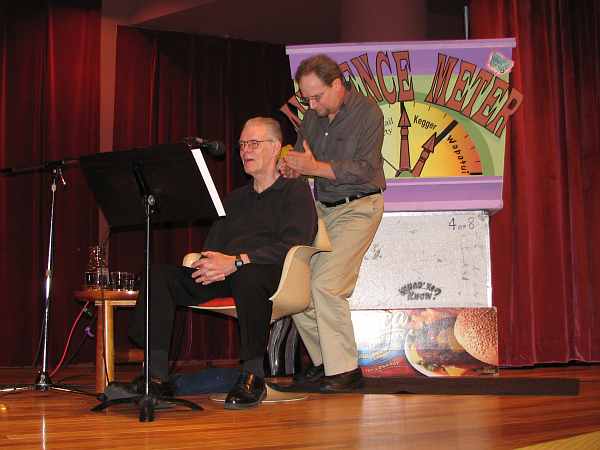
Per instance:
{"type": "Point", "coordinates": [49, 110]}
{"type": "Point", "coordinates": [545, 241]}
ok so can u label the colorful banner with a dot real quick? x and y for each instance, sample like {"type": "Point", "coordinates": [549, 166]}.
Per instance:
{"type": "Point", "coordinates": [446, 104]}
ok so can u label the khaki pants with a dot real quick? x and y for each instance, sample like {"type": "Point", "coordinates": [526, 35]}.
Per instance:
{"type": "Point", "coordinates": [326, 327]}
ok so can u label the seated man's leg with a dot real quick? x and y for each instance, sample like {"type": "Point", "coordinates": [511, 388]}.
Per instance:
{"type": "Point", "coordinates": [170, 286]}
{"type": "Point", "coordinates": [251, 286]}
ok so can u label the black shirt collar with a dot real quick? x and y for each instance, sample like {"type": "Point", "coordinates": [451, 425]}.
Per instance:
{"type": "Point", "coordinates": [276, 186]}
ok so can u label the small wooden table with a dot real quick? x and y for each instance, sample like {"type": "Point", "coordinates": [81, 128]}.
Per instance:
{"type": "Point", "coordinates": [106, 301]}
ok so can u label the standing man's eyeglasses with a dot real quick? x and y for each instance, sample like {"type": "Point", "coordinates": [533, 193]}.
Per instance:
{"type": "Point", "coordinates": [252, 144]}
{"type": "Point", "coordinates": [305, 101]}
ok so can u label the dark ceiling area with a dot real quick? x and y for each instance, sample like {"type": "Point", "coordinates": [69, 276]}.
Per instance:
{"type": "Point", "coordinates": [304, 22]}
{"type": "Point", "coordinates": [290, 23]}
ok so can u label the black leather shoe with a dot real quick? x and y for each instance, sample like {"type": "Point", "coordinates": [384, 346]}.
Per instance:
{"type": "Point", "coordinates": [342, 382]}
{"type": "Point", "coordinates": [248, 391]}
{"type": "Point", "coordinates": [310, 375]}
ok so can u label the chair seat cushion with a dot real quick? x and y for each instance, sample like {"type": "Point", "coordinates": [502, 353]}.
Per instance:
{"type": "Point", "coordinates": [224, 302]}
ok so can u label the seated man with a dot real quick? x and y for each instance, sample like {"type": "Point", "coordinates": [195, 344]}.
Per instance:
{"type": "Point", "coordinates": [242, 258]}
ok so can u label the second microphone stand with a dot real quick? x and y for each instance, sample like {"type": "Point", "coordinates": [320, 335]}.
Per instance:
{"type": "Point", "coordinates": [43, 381]}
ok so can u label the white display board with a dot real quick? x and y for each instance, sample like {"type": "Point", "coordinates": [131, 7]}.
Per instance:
{"type": "Point", "coordinates": [427, 260]}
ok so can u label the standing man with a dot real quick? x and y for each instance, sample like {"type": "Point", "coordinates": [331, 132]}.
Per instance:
{"type": "Point", "coordinates": [242, 258]}
{"type": "Point", "coordinates": [339, 144]}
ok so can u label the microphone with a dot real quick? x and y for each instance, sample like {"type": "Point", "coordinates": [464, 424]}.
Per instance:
{"type": "Point", "coordinates": [215, 148]}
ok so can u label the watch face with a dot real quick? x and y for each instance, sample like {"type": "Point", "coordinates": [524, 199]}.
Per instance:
{"type": "Point", "coordinates": [238, 262]}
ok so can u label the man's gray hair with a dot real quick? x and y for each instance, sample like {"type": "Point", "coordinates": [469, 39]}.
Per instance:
{"type": "Point", "coordinates": [272, 126]}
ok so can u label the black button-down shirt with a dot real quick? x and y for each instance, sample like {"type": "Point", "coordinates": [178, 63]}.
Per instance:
{"type": "Point", "coordinates": [265, 225]}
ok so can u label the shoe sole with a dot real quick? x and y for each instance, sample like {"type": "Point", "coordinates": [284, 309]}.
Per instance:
{"type": "Point", "coordinates": [350, 388]}
{"type": "Point", "coordinates": [308, 380]}
{"type": "Point", "coordinates": [240, 406]}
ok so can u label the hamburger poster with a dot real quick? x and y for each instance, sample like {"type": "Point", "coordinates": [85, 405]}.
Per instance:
{"type": "Point", "coordinates": [431, 342]}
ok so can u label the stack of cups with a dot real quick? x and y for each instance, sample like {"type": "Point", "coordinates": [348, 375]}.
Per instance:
{"type": "Point", "coordinates": [122, 281]}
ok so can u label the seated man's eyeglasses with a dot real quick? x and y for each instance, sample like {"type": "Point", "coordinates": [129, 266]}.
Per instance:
{"type": "Point", "coordinates": [252, 144]}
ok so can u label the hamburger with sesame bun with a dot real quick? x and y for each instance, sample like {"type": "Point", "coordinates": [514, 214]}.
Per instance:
{"type": "Point", "coordinates": [464, 343]}
{"type": "Point", "coordinates": [476, 329]}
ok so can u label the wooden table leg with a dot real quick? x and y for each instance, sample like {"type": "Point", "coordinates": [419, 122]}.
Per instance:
{"type": "Point", "coordinates": [100, 372]}
{"type": "Point", "coordinates": [109, 342]}
{"type": "Point", "coordinates": [105, 345]}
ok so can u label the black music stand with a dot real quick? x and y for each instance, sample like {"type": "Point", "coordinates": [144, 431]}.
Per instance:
{"type": "Point", "coordinates": [166, 183]}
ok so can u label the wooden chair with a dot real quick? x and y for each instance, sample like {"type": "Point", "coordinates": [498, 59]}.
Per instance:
{"type": "Point", "coordinates": [292, 295]}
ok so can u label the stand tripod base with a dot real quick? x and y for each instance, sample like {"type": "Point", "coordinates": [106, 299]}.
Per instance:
{"type": "Point", "coordinates": [147, 404]}
{"type": "Point", "coordinates": [43, 383]}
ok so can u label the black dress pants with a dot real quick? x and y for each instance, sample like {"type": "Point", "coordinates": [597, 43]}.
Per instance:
{"type": "Point", "coordinates": [172, 286]}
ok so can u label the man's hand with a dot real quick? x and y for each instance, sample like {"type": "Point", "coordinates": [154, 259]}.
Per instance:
{"type": "Point", "coordinates": [286, 171]}
{"type": "Point", "coordinates": [305, 164]}
{"type": "Point", "coordinates": [213, 266]}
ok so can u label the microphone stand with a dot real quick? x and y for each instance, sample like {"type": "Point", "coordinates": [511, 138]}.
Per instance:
{"type": "Point", "coordinates": [43, 381]}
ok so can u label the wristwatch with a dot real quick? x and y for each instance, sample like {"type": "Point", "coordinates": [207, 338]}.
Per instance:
{"type": "Point", "coordinates": [238, 262]}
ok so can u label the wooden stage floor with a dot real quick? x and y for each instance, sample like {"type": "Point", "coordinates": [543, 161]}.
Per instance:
{"type": "Point", "coordinates": [49, 420]}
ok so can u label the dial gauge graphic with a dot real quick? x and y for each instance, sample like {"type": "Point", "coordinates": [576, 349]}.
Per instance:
{"type": "Point", "coordinates": [423, 140]}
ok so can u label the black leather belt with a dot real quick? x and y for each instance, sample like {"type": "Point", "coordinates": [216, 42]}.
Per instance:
{"type": "Point", "coordinates": [349, 199]}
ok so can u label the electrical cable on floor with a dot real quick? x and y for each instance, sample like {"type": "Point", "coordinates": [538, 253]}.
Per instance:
{"type": "Point", "coordinates": [64, 354]}
{"type": "Point", "coordinates": [108, 380]}
{"type": "Point", "coordinates": [87, 334]}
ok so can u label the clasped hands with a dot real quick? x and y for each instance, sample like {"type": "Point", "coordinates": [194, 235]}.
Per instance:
{"type": "Point", "coordinates": [212, 266]}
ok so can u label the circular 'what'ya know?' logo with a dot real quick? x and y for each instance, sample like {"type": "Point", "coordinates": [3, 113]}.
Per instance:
{"type": "Point", "coordinates": [420, 290]}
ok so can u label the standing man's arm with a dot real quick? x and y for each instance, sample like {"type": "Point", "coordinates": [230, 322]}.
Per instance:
{"type": "Point", "coordinates": [305, 163]}
{"type": "Point", "coordinates": [357, 170]}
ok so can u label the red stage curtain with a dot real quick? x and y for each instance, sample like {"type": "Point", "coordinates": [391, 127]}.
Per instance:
{"type": "Point", "coordinates": [545, 242]}
{"type": "Point", "coordinates": [171, 85]}
{"type": "Point", "coordinates": [49, 97]}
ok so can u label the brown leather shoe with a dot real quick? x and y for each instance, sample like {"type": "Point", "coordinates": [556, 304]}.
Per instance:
{"type": "Point", "coordinates": [342, 382]}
